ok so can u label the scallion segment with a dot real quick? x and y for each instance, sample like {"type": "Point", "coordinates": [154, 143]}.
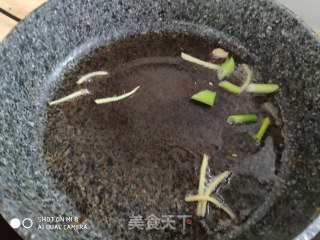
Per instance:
{"type": "Point", "coordinates": [262, 87]}
{"type": "Point", "coordinates": [213, 200]}
{"type": "Point", "coordinates": [219, 53]}
{"type": "Point", "coordinates": [192, 59]}
{"type": "Point", "coordinates": [205, 96]}
{"type": "Point", "coordinates": [248, 77]}
{"type": "Point", "coordinates": [226, 68]}
{"type": "Point", "coordinates": [212, 187]}
{"type": "Point", "coordinates": [202, 179]}
{"type": "Point", "coordinates": [116, 98]}
{"type": "Point", "coordinates": [74, 95]}
{"type": "Point", "coordinates": [90, 75]}
{"type": "Point", "coordinates": [230, 87]}
{"type": "Point", "coordinates": [242, 118]}
{"type": "Point", "coordinates": [264, 126]}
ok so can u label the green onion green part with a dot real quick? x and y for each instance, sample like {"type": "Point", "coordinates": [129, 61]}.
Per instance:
{"type": "Point", "coordinates": [262, 87]}
{"type": "Point", "coordinates": [226, 68]}
{"type": "Point", "coordinates": [205, 96]}
{"type": "Point", "coordinates": [243, 118]}
{"type": "Point", "coordinates": [264, 126]}
{"type": "Point", "coordinates": [230, 87]}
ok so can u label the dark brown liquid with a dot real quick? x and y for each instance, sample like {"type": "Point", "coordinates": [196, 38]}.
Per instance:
{"type": "Point", "coordinates": [142, 155]}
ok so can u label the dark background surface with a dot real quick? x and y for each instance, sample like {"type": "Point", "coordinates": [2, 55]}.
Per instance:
{"type": "Point", "coordinates": [7, 232]}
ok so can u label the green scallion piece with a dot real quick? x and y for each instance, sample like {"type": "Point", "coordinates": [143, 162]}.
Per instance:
{"type": "Point", "coordinates": [226, 68]}
{"type": "Point", "coordinates": [265, 124]}
{"type": "Point", "coordinates": [262, 87]}
{"type": "Point", "coordinates": [230, 87]}
{"type": "Point", "coordinates": [243, 118]}
{"type": "Point", "coordinates": [205, 96]}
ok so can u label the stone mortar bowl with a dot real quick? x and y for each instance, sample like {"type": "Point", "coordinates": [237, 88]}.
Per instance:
{"type": "Point", "coordinates": [42, 53]}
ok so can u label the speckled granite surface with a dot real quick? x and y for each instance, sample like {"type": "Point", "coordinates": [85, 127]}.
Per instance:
{"type": "Point", "coordinates": [35, 55]}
